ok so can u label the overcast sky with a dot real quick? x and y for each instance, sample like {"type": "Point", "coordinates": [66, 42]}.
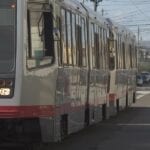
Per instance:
{"type": "Point", "coordinates": [127, 12]}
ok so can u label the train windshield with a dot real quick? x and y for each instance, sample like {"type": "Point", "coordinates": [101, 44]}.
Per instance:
{"type": "Point", "coordinates": [7, 35]}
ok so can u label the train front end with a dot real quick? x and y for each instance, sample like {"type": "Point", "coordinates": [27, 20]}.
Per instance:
{"type": "Point", "coordinates": [22, 102]}
{"type": "Point", "coordinates": [10, 52]}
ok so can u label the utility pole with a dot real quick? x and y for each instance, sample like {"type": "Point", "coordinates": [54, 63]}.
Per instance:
{"type": "Point", "coordinates": [96, 2]}
{"type": "Point", "coordinates": [95, 5]}
{"type": "Point", "coordinates": [138, 36]}
{"type": "Point", "coordinates": [83, 1]}
{"type": "Point", "coordinates": [102, 12]}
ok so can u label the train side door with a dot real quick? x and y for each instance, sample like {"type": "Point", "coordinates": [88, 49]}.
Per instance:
{"type": "Point", "coordinates": [74, 66]}
{"type": "Point", "coordinates": [82, 63]}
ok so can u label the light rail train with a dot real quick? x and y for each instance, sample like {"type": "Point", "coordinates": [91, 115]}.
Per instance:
{"type": "Point", "coordinates": [62, 67]}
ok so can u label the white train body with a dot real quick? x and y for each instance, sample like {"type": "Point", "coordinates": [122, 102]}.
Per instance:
{"type": "Point", "coordinates": [60, 73]}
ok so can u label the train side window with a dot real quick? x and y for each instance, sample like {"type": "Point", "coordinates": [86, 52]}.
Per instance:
{"type": "Point", "coordinates": [117, 53]}
{"type": "Point", "coordinates": [69, 38]}
{"type": "Point", "coordinates": [111, 55]}
{"type": "Point", "coordinates": [104, 52]}
{"type": "Point", "coordinates": [40, 35]}
{"type": "Point", "coordinates": [80, 41]}
{"type": "Point", "coordinates": [105, 49]}
{"type": "Point", "coordinates": [120, 59]}
{"type": "Point", "coordinates": [136, 57]}
{"type": "Point", "coordinates": [124, 56]}
{"type": "Point", "coordinates": [121, 54]}
{"type": "Point", "coordinates": [93, 45]}
{"type": "Point", "coordinates": [84, 60]}
{"type": "Point", "coordinates": [118, 49]}
{"type": "Point", "coordinates": [111, 45]}
{"type": "Point", "coordinates": [97, 51]}
{"type": "Point", "coordinates": [79, 45]}
{"type": "Point", "coordinates": [74, 39]}
{"type": "Point", "coordinates": [133, 56]}
{"type": "Point", "coordinates": [58, 24]}
{"type": "Point", "coordinates": [130, 53]}
{"type": "Point", "coordinates": [66, 31]}
{"type": "Point", "coordinates": [101, 48]}
{"type": "Point", "coordinates": [128, 57]}
{"type": "Point", "coordinates": [64, 36]}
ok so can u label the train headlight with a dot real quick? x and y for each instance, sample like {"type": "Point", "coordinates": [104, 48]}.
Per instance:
{"type": "Point", "coordinates": [7, 88]}
{"type": "Point", "coordinates": [5, 92]}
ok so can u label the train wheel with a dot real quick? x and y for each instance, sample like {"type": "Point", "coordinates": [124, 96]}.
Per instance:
{"type": "Point", "coordinates": [127, 101]}
{"type": "Point", "coordinates": [134, 97]}
{"type": "Point", "coordinates": [87, 117]}
{"type": "Point", "coordinates": [117, 105]}
{"type": "Point", "coordinates": [64, 126]}
{"type": "Point", "coordinates": [104, 112]}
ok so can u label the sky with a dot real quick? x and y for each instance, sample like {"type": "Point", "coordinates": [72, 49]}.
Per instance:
{"type": "Point", "coordinates": [133, 14]}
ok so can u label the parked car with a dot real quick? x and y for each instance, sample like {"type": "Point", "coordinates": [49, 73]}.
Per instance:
{"type": "Point", "coordinates": [146, 76]}
{"type": "Point", "coordinates": [139, 80]}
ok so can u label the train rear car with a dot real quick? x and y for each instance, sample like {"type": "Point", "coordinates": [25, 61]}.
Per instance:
{"type": "Point", "coordinates": [122, 65]}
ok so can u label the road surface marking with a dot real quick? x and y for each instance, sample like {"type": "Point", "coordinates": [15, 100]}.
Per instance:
{"type": "Point", "coordinates": [125, 124]}
{"type": "Point", "coordinates": [133, 124]}
{"type": "Point", "coordinates": [141, 94]}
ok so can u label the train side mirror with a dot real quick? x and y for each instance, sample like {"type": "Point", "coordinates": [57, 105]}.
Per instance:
{"type": "Point", "coordinates": [56, 34]}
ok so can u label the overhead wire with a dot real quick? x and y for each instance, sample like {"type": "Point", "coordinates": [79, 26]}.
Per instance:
{"type": "Point", "coordinates": [129, 13]}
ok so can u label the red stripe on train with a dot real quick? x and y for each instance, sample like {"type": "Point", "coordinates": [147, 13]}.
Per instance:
{"type": "Point", "coordinates": [26, 111]}
{"type": "Point", "coordinates": [40, 111]}
{"type": "Point", "coordinates": [37, 111]}
{"type": "Point", "coordinates": [112, 96]}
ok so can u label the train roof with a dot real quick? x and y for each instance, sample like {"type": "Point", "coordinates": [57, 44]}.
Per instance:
{"type": "Point", "coordinates": [119, 28]}
{"type": "Point", "coordinates": [83, 9]}
{"type": "Point", "coordinates": [95, 16]}
{"type": "Point", "coordinates": [72, 5]}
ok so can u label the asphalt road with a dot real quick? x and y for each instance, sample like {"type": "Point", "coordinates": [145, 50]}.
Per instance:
{"type": "Point", "coordinates": [130, 130]}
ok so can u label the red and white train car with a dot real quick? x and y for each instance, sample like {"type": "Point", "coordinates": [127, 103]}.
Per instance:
{"type": "Point", "coordinates": [123, 67]}
{"type": "Point", "coordinates": [54, 67]}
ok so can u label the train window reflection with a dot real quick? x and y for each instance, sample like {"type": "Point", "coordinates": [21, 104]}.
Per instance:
{"type": "Point", "coordinates": [40, 35]}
